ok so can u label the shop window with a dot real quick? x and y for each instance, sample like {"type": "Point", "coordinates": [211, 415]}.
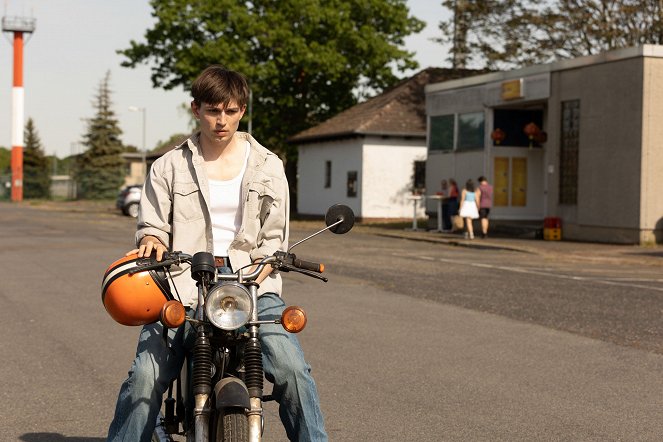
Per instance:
{"type": "Point", "coordinates": [512, 123]}
{"type": "Point", "coordinates": [328, 166]}
{"type": "Point", "coordinates": [568, 158]}
{"type": "Point", "coordinates": [471, 131]}
{"type": "Point", "coordinates": [352, 184]}
{"type": "Point", "coordinates": [442, 133]}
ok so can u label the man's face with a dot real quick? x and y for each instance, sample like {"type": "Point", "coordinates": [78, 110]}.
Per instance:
{"type": "Point", "coordinates": [218, 123]}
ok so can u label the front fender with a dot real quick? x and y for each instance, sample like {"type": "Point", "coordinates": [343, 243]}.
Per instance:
{"type": "Point", "coordinates": [231, 392]}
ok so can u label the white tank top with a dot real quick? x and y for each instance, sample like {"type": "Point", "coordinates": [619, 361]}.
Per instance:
{"type": "Point", "coordinates": [226, 208]}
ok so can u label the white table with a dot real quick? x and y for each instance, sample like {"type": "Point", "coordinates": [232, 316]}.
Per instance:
{"type": "Point", "coordinates": [415, 199]}
{"type": "Point", "coordinates": [439, 199]}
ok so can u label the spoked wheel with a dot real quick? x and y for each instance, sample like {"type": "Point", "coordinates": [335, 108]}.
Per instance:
{"type": "Point", "coordinates": [232, 425]}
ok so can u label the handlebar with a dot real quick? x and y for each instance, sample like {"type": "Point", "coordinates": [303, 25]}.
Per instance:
{"type": "Point", "coordinates": [282, 261]}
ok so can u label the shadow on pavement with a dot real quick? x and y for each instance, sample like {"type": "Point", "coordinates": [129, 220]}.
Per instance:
{"type": "Point", "coordinates": [56, 437]}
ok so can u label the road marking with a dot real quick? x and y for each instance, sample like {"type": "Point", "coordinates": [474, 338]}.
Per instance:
{"type": "Point", "coordinates": [621, 282]}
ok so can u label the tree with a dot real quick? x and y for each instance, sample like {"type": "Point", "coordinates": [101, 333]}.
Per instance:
{"type": "Point", "coordinates": [100, 170]}
{"type": "Point", "coordinates": [504, 34]}
{"type": "Point", "coordinates": [164, 146]}
{"type": "Point", "coordinates": [5, 160]}
{"type": "Point", "coordinates": [305, 59]}
{"type": "Point", "coordinates": [36, 165]}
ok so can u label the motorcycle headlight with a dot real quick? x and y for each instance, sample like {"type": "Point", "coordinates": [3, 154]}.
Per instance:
{"type": "Point", "coordinates": [228, 306]}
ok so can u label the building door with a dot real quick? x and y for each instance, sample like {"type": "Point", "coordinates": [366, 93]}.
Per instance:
{"type": "Point", "coordinates": [510, 186]}
{"type": "Point", "coordinates": [519, 182]}
{"type": "Point", "coordinates": [501, 184]}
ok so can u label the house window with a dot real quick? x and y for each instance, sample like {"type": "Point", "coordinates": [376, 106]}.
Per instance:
{"type": "Point", "coordinates": [470, 131]}
{"type": "Point", "coordinates": [568, 159]}
{"type": "Point", "coordinates": [442, 133]}
{"type": "Point", "coordinates": [352, 184]}
{"type": "Point", "coordinates": [419, 176]}
{"type": "Point", "coordinates": [327, 174]}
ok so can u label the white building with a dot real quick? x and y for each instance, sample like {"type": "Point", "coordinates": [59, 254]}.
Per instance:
{"type": "Point", "coordinates": [593, 157]}
{"type": "Point", "coordinates": [370, 157]}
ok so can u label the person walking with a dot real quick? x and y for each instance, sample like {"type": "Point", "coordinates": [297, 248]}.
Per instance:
{"type": "Point", "coordinates": [485, 204]}
{"type": "Point", "coordinates": [453, 197]}
{"type": "Point", "coordinates": [221, 192]}
{"type": "Point", "coordinates": [469, 207]}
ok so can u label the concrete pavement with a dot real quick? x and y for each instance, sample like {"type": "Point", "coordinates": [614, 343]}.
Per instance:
{"type": "Point", "coordinates": [574, 250]}
{"type": "Point", "coordinates": [580, 251]}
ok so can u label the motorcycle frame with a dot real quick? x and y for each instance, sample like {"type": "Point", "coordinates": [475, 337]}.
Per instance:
{"type": "Point", "coordinates": [202, 410]}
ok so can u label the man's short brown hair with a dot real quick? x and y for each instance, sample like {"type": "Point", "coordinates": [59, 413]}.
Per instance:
{"type": "Point", "coordinates": [218, 85]}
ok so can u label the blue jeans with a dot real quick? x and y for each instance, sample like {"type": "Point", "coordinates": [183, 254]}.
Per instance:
{"type": "Point", "coordinates": [141, 394]}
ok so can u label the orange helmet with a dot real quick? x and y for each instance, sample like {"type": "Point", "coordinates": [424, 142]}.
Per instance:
{"type": "Point", "coordinates": [134, 299]}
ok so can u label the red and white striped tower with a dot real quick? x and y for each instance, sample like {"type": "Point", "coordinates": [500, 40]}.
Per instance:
{"type": "Point", "coordinates": [19, 26]}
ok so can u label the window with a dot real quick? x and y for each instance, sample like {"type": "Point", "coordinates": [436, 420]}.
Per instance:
{"type": "Point", "coordinates": [419, 175]}
{"type": "Point", "coordinates": [442, 133]}
{"type": "Point", "coordinates": [568, 159]}
{"type": "Point", "coordinates": [457, 132]}
{"type": "Point", "coordinates": [470, 131]}
{"type": "Point", "coordinates": [327, 174]}
{"type": "Point", "coordinates": [352, 184]}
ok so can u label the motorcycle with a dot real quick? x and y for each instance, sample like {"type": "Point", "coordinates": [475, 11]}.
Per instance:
{"type": "Point", "coordinates": [219, 393]}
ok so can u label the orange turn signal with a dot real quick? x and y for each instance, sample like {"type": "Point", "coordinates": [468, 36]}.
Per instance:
{"type": "Point", "coordinates": [293, 319]}
{"type": "Point", "coordinates": [173, 314]}
{"type": "Point", "coordinates": [322, 268]}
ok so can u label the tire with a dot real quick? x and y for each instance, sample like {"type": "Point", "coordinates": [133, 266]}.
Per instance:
{"type": "Point", "coordinates": [132, 210]}
{"type": "Point", "coordinates": [232, 425]}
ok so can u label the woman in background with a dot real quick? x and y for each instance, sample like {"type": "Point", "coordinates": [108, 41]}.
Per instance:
{"type": "Point", "coordinates": [469, 207]}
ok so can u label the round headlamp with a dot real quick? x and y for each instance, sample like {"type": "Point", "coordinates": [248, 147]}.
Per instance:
{"type": "Point", "coordinates": [228, 306]}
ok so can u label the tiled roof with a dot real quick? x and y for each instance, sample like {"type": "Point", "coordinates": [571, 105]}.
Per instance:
{"type": "Point", "coordinates": [398, 111]}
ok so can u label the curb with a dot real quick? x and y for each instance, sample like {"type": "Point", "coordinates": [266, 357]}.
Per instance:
{"type": "Point", "coordinates": [456, 242]}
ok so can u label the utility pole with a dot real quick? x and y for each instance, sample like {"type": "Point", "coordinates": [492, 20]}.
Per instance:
{"type": "Point", "coordinates": [18, 26]}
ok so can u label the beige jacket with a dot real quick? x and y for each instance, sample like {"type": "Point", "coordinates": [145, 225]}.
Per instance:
{"type": "Point", "coordinates": [174, 208]}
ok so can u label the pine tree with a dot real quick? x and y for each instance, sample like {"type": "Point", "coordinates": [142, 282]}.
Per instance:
{"type": "Point", "coordinates": [36, 170]}
{"type": "Point", "coordinates": [100, 169]}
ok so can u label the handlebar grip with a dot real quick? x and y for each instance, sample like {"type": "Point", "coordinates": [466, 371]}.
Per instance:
{"type": "Point", "coordinates": [308, 265]}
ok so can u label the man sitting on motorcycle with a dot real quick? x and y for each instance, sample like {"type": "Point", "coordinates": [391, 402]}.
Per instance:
{"type": "Point", "coordinates": [224, 193]}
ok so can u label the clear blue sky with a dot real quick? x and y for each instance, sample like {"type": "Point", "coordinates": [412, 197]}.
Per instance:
{"type": "Point", "coordinates": [74, 46]}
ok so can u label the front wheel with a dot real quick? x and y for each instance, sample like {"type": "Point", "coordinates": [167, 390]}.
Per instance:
{"type": "Point", "coordinates": [131, 210]}
{"type": "Point", "coordinates": [232, 425]}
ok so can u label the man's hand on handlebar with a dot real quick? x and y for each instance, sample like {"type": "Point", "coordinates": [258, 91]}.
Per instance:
{"type": "Point", "coordinates": [147, 245]}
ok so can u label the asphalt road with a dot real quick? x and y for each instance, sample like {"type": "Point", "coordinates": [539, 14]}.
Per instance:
{"type": "Point", "coordinates": [408, 340]}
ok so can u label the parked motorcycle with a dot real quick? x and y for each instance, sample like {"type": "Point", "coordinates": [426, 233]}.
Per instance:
{"type": "Point", "coordinates": [219, 394]}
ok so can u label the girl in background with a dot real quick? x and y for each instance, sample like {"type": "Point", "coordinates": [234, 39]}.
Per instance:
{"type": "Point", "coordinates": [469, 207]}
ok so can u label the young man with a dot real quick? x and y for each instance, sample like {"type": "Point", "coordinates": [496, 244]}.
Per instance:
{"type": "Point", "coordinates": [224, 193]}
{"type": "Point", "coordinates": [485, 204]}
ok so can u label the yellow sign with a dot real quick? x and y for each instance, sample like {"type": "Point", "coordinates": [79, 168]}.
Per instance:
{"type": "Point", "coordinates": [512, 89]}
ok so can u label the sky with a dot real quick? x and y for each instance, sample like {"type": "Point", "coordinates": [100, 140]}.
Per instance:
{"type": "Point", "coordinates": [75, 44]}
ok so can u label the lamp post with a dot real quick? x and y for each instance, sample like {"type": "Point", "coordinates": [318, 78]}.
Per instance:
{"type": "Point", "coordinates": [144, 151]}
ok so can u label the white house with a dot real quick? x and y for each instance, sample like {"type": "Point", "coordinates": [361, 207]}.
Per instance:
{"type": "Point", "coordinates": [370, 157]}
